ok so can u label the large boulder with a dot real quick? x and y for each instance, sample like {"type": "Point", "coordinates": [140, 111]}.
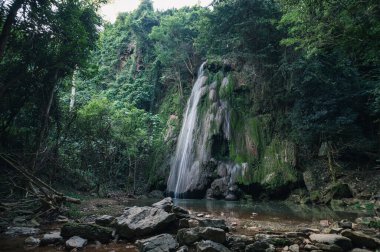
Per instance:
{"type": "Point", "coordinates": [188, 236]}
{"type": "Point", "coordinates": [165, 204]}
{"type": "Point", "coordinates": [141, 221]}
{"type": "Point", "coordinates": [159, 243]}
{"type": "Point", "coordinates": [215, 223]}
{"type": "Point", "coordinates": [332, 239]}
{"type": "Point", "coordinates": [260, 246]}
{"type": "Point", "coordinates": [239, 242]}
{"type": "Point", "coordinates": [361, 240]}
{"type": "Point", "coordinates": [32, 241]}
{"type": "Point", "coordinates": [218, 189]}
{"type": "Point", "coordinates": [91, 232]}
{"type": "Point", "coordinates": [210, 246]}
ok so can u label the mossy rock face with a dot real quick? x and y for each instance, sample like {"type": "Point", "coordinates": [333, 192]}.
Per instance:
{"type": "Point", "coordinates": [91, 232]}
{"type": "Point", "coordinates": [337, 191]}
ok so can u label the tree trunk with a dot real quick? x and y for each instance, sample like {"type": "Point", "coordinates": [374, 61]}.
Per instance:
{"type": "Point", "coordinates": [7, 27]}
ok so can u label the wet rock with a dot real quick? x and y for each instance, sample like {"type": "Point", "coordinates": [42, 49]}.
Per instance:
{"type": "Point", "coordinates": [231, 197]}
{"type": "Point", "coordinates": [294, 248]}
{"type": "Point", "coordinates": [159, 243]}
{"type": "Point", "coordinates": [180, 212]}
{"type": "Point", "coordinates": [276, 240]}
{"type": "Point", "coordinates": [239, 242]}
{"type": "Point", "coordinates": [183, 249]}
{"type": "Point", "coordinates": [210, 246]}
{"type": "Point", "coordinates": [215, 223]}
{"type": "Point", "coordinates": [104, 220]}
{"type": "Point", "coordinates": [140, 221]}
{"type": "Point", "coordinates": [310, 247]}
{"type": "Point", "coordinates": [21, 231]}
{"type": "Point", "coordinates": [329, 247]}
{"type": "Point", "coordinates": [361, 240]}
{"type": "Point", "coordinates": [260, 246]}
{"type": "Point", "coordinates": [52, 238]}
{"type": "Point", "coordinates": [76, 242]}
{"type": "Point", "coordinates": [332, 239]}
{"type": "Point", "coordinates": [31, 241]}
{"type": "Point", "coordinates": [165, 204]}
{"type": "Point", "coordinates": [345, 224]}
{"type": "Point", "coordinates": [88, 231]}
{"type": "Point", "coordinates": [360, 250]}
{"type": "Point", "coordinates": [219, 188]}
{"type": "Point", "coordinates": [62, 219]}
{"type": "Point", "coordinates": [189, 236]}
{"type": "Point", "coordinates": [156, 194]}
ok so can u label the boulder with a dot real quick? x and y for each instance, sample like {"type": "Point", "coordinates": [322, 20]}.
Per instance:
{"type": "Point", "coordinates": [361, 240]}
{"type": "Point", "coordinates": [294, 248]}
{"type": "Point", "coordinates": [141, 221]}
{"type": "Point", "coordinates": [31, 241]}
{"type": "Point", "coordinates": [215, 223]}
{"type": "Point", "coordinates": [219, 188]}
{"type": "Point", "coordinates": [180, 212]}
{"type": "Point", "coordinates": [276, 240]}
{"type": "Point", "coordinates": [231, 197]}
{"type": "Point", "coordinates": [52, 238]}
{"type": "Point", "coordinates": [91, 232]}
{"type": "Point", "coordinates": [76, 242]}
{"type": "Point", "coordinates": [239, 242]}
{"type": "Point", "coordinates": [328, 247]}
{"type": "Point", "coordinates": [104, 220]}
{"type": "Point", "coordinates": [210, 246]}
{"type": "Point", "coordinates": [332, 239]}
{"type": "Point", "coordinates": [188, 236]}
{"type": "Point", "coordinates": [21, 231]}
{"type": "Point", "coordinates": [183, 249]}
{"type": "Point", "coordinates": [165, 204]}
{"type": "Point", "coordinates": [159, 243]}
{"type": "Point", "coordinates": [259, 246]}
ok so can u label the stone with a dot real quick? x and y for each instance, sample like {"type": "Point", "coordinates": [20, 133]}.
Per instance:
{"type": "Point", "coordinates": [193, 223]}
{"type": "Point", "coordinates": [361, 240]}
{"type": "Point", "coordinates": [104, 220]}
{"type": "Point", "coordinates": [360, 250]}
{"type": "Point", "coordinates": [324, 223]}
{"type": "Point", "coordinates": [259, 246]}
{"type": "Point", "coordinates": [215, 223]}
{"type": "Point", "coordinates": [180, 212]}
{"type": "Point", "coordinates": [91, 232]}
{"type": "Point", "coordinates": [165, 204]}
{"type": "Point", "coordinates": [219, 188]}
{"type": "Point", "coordinates": [345, 224]}
{"type": "Point", "coordinates": [332, 239]}
{"type": "Point", "coordinates": [294, 248]}
{"type": "Point", "coordinates": [76, 242]}
{"type": "Point", "coordinates": [183, 249]}
{"type": "Point", "coordinates": [159, 243]}
{"type": "Point", "coordinates": [329, 247]}
{"type": "Point", "coordinates": [21, 231]}
{"type": "Point", "coordinates": [238, 242]}
{"type": "Point", "coordinates": [31, 241]}
{"type": "Point", "coordinates": [62, 219]}
{"type": "Point", "coordinates": [52, 238]}
{"type": "Point", "coordinates": [231, 197]}
{"type": "Point", "coordinates": [222, 170]}
{"type": "Point", "coordinates": [142, 221]}
{"type": "Point", "coordinates": [210, 246]}
{"type": "Point", "coordinates": [183, 223]}
{"type": "Point", "coordinates": [310, 247]}
{"type": "Point", "coordinates": [189, 236]}
{"type": "Point", "coordinates": [276, 240]}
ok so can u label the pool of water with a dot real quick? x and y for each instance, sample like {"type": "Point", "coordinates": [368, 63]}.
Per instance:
{"type": "Point", "coordinates": [271, 210]}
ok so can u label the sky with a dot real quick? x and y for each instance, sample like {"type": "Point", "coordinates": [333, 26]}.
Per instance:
{"type": "Point", "coordinates": [110, 11]}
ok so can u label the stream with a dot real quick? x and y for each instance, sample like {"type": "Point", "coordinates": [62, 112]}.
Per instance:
{"type": "Point", "coordinates": [269, 213]}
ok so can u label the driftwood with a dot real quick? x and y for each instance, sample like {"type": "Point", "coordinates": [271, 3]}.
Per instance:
{"type": "Point", "coordinates": [51, 200]}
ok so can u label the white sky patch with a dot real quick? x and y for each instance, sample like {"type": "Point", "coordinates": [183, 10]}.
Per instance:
{"type": "Point", "coordinates": [110, 11]}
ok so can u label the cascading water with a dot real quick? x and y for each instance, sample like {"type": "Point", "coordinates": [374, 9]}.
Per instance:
{"type": "Point", "coordinates": [183, 163]}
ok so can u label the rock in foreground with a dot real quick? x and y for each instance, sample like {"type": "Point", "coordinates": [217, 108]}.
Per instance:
{"type": "Point", "coordinates": [159, 243]}
{"type": "Point", "coordinates": [141, 221]}
{"type": "Point", "coordinates": [91, 232]}
{"type": "Point", "coordinates": [76, 242]}
{"type": "Point", "coordinates": [210, 246]}
{"type": "Point", "coordinates": [332, 239]}
{"type": "Point", "coordinates": [189, 236]}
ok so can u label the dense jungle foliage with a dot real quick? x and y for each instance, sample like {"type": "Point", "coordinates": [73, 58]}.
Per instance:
{"type": "Point", "coordinates": [95, 106]}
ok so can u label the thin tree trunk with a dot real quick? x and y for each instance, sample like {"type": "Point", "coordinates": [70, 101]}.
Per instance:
{"type": "Point", "coordinates": [134, 177]}
{"type": "Point", "coordinates": [7, 27]}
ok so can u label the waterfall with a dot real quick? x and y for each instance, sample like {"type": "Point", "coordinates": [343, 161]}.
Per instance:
{"type": "Point", "coordinates": [183, 164]}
